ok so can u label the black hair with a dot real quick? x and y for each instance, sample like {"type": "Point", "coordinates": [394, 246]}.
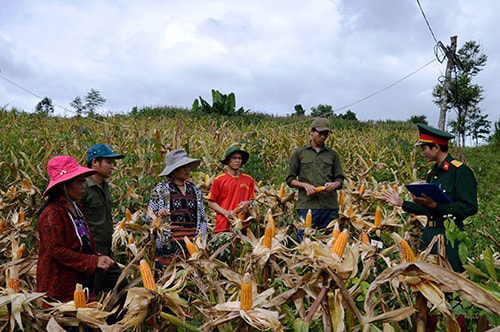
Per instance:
{"type": "Point", "coordinates": [99, 159]}
{"type": "Point", "coordinates": [443, 147]}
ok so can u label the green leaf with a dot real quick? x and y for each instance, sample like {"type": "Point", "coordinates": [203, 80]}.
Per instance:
{"type": "Point", "coordinates": [488, 261]}
{"type": "Point", "coordinates": [474, 270]}
{"type": "Point", "coordinates": [463, 252]}
{"type": "Point", "coordinates": [300, 326]}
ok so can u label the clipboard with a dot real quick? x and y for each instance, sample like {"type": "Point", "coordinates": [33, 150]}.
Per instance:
{"type": "Point", "coordinates": [430, 189]}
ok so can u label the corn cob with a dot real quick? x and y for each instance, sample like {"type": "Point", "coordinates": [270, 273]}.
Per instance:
{"type": "Point", "coordinates": [190, 246]}
{"type": "Point", "coordinates": [378, 217]}
{"type": "Point", "coordinates": [318, 189]}
{"type": "Point", "coordinates": [342, 199]}
{"type": "Point", "coordinates": [365, 239]}
{"type": "Point", "coordinates": [3, 226]}
{"type": "Point", "coordinates": [147, 276]}
{"type": "Point", "coordinates": [246, 296]}
{"type": "Point", "coordinates": [79, 297]}
{"type": "Point", "coordinates": [309, 219]}
{"type": "Point", "coordinates": [13, 280]}
{"type": "Point", "coordinates": [270, 220]}
{"type": "Point", "coordinates": [406, 251]}
{"type": "Point", "coordinates": [128, 215]}
{"type": "Point", "coordinates": [339, 245]}
{"type": "Point", "coordinates": [21, 251]}
{"type": "Point", "coordinates": [336, 231]}
{"type": "Point", "coordinates": [282, 190]}
{"type": "Point", "coordinates": [267, 241]}
{"type": "Point", "coordinates": [361, 189]}
{"type": "Point", "coordinates": [27, 184]}
{"type": "Point", "coordinates": [21, 219]}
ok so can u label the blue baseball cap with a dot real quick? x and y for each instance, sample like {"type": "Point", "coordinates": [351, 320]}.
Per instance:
{"type": "Point", "coordinates": [102, 151]}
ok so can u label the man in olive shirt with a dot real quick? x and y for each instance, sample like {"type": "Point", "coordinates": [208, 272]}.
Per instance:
{"type": "Point", "coordinates": [458, 182]}
{"type": "Point", "coordinates": [314, 165]}
{"type": "Point", "coordinates": [97, 203]}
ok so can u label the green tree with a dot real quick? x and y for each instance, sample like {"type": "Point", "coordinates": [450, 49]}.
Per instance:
{"type": "Point", "coordinates": [93, 100]}
{"type": "Point", "coordinates": [418, 119]}
{"type": "Point", "coordinates": [325, 111]}
{"type": "Point", "coordinates": [299, 110]}
{"type": "Point", "coordinates": [44, 107]}
{"type": "Point", "coordinates": [349, 116]}
{"type": "Point", "coordinates": [78, 106]}
{"type": "Point", "coordinates": [464, 96]}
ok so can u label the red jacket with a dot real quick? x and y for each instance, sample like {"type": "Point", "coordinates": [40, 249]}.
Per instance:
{"type": "Point", "coordinates": [61, 261]}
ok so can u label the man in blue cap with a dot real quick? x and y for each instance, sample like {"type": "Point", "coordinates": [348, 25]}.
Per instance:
{"type": "Point", "coordinates": [457, 181]}
{"type": "Point", "coordinates": [97, 203]}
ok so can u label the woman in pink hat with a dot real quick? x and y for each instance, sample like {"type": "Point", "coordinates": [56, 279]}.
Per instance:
{"type": "Point", "coordinates": [66, 250]}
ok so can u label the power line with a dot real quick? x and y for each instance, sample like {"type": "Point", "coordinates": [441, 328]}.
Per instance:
{"type": "Point", "coordinates": [387, 87]}
{"type": "Point", "coordinates": [426, 21]}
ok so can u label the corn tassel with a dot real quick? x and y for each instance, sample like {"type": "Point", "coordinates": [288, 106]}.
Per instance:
{"type": "Point", "coordinates": [309, 219]}
{"type": "Point", "coordinates": [79, 297]}
{"type": "Point", "coordinates": [246, 296]}
{"type": "Point", "coordinates": [190, 246]}
{"type": "Point", "coordinates": [339, 245]}
{"type": "Point", "coordinates": [336, 231]}
{"type": "Point", "coordinates": [147, 276]}
{"type": "Point", "coordinates": [282, 190]}
{"type": "Point", "coordinates": [267, 241]}
{"type": "Point", "coordinates": [13, 280]}
{"type": "Point", "coordinates": [378, 217]}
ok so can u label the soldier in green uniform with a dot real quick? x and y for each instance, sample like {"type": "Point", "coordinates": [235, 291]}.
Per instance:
{"type": "Point", "coordinates": [455, 178]}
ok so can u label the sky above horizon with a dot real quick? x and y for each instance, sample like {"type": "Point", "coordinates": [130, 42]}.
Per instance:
{"type": "Point", "coordinates": [375, 58]}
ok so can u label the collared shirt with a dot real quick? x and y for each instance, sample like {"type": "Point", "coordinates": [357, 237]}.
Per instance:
{"type": "Point", "coordinates": [458, 181]}
{"type": "Point", "coordinates": [97, 203]}
{"type": "Point", "coordinates": [316, 168]}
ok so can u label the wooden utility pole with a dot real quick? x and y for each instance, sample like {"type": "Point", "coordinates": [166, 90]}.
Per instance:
{"type": "Point", "coordinates": [450, 55]}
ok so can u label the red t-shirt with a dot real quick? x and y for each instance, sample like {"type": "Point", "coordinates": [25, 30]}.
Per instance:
{"type": "Point", "coordinates": [228, 191]}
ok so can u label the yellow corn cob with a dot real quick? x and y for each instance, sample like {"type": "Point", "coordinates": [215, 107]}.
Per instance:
{"type": "Point", "coordinates": [121, 225]}
{"type": "Point", "coordinates": [27, 184]}
{"type": "Point", "coordinates": [3, 226]}
{"type": "Point", "coordinates": [267, 241]}
{"type": "Point", "coordinates": [190, 246]}
{"type": "Point", "coordinates": [13, 280]}
{"type": "Point", "coordinates": [259, 184]}
{"type": "Point", "coordinates": [131, 240]}
{"type": "Point", "coordinates": [309, 219]}
{"type": "Point", "coordinates": [282, 190]}
{"type": "Point", "coordinates": [378, 217]}
{"type": "Point", "coordinates": [270, 220]}
{"type": "Point", "coordinates": [339, 245]}
{"type": "Point", "coordinates": [21, 219]}
{"type": "Point", "coordinates": [342, 199]}
{"type": "Point", "coordinates": [128, 215]}
{"type": "Point", "coordinates": [365, 239]}
{"type": "Point", "coordinates": [246, 296]}
{"type": "Point", "coordinates": [147, 276]}
{"type": "Point", "coordinates": [406, 250]}
{"type": "Point", "coordinates": [207, 180]}
{"type": "Point", "coordinates": [318, 189]}
{"type": "Point", "coordinates": [361, 189]}
{"type": "Point", "coordinates": [79, 297]}
{"type": "Point", "coordinates": [336, 231]}
{"type": "Point", "coordinates": [239, 214]}
{"type": "Point", "coordinates": [21, 251]}
{"type": "Point", "coordinates": [350, 212]}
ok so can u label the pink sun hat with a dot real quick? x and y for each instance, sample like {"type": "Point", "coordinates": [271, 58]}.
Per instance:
{"type": "Point", "coordinates": [64, 168]}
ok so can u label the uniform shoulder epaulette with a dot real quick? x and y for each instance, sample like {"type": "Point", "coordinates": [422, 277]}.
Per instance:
{"type": "Point", "coordinates": [456, 163]}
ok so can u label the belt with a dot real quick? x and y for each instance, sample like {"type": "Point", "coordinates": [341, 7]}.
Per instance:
{"type": "Point", "coordinates": [435, 223]}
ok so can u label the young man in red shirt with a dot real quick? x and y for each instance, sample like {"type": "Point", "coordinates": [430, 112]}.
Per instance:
{"type": "Point", "coordinates": [231, 189]}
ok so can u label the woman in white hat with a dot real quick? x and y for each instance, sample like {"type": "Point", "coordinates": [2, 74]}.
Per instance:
{"type": "Point", "coordinates": [66, 250]}
{"type": "Point", "coordinates": [179, 202]}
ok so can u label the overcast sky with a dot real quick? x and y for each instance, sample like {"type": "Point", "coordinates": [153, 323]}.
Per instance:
{"type": "Point", "coordinates": [272, 54]}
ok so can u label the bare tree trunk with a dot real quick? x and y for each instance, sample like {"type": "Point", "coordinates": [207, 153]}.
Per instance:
{"type": "Point", "coordinates": [447, 79]}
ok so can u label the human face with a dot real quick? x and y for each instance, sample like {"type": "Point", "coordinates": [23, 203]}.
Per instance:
{"type": "Point", "coordinates": [75, 188]}
{"type": "Point", "coordinates": [182, 173]}
{"type": "Point", "coordinates": [104, 167]}
{"type": "Point", "coordinates": [430, 153]}
{"type": "Point", "coordinates": [319, 137]}
{"type": "Point", "coordinates": [235, 160]}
